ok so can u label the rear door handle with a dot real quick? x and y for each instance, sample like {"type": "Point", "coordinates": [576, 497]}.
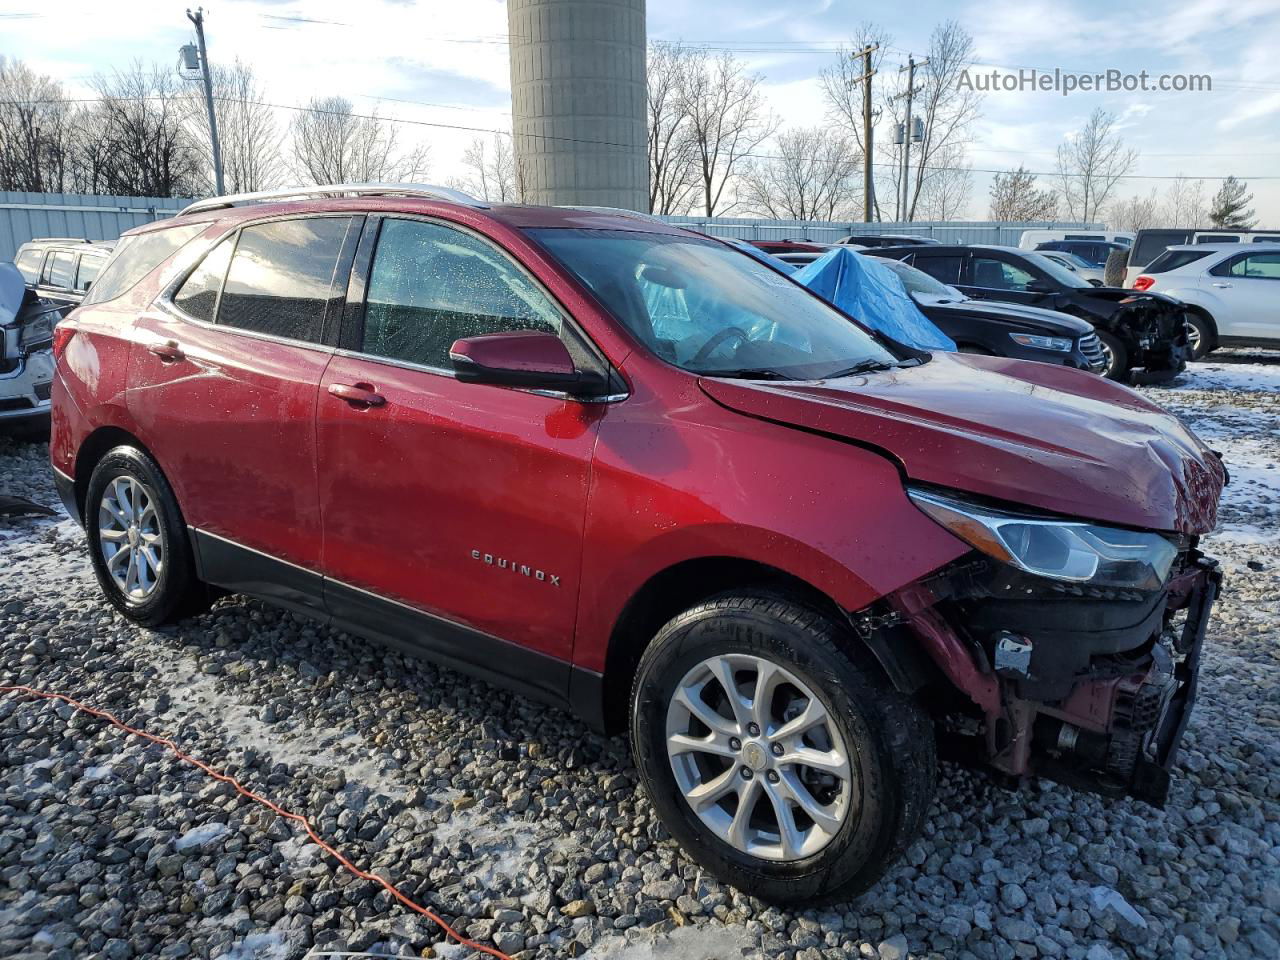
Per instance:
{"type": "Point", "coordinates": [357, 394]}
{"type": "Point", "coordinates": [168, 351]}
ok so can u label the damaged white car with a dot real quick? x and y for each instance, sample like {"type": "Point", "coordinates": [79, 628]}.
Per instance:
{"type": "Point", "coordinates": [26, 354]}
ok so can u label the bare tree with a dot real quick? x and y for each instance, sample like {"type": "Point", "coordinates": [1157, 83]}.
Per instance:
{"type": "Point", "coordinates": [35, 131]}
{"type": "Point", "coordinates": [945, 195]}
{"type": "Point", "coordinates": [1090, 165]}
{"type": "Point", "coordinates": [494, 171]}
{"type": "Point", "coordinates": [247, 130]}
{"type": "Point", "coordinates": [1184, 203]}
{"type": "Point", "coordinates": [333, 144]}
{"type": "Point", "coordinates": [1136, 212]}
{"type": "Point", "coordinates": [673, 177]}
{"type": "Point", "coordinates": [1015, 198]}
{"type": "Point", "coordinates": [946, 107]}
{"type": "Point", "coordinates": [728, 119]}
{"type": "Point", "coordinates": [146, 147]}
{"type": "Point", "coordinates": [817, 176]}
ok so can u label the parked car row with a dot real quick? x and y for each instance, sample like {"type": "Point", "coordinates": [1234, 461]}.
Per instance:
{"type": "Point", "coordinates": [625, 468]}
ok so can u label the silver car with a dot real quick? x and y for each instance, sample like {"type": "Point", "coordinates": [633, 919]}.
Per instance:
{"type": "Point", "coordinates": [1231, 290]}
{"type": "Point", "coordinates": [26, 353]}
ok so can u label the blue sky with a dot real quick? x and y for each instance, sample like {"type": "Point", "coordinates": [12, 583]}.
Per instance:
{"type": "Point", "coordinates": [451, 56]}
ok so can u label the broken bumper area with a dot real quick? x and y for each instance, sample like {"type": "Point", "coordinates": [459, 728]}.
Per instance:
{"type": "Point", "coordinates": [1088, 687]}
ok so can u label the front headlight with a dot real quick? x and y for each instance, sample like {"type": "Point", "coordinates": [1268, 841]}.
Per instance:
{"type": "Point", "coordinates": [1057, 549]}
{"type": "Point", "coordinates": [38, 329]}
{"type": "Point", "coordinates": [1061, 344]}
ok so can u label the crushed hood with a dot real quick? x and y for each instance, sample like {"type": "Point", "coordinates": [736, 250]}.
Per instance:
{"type": "Point", "coordinates": [1033, 434]}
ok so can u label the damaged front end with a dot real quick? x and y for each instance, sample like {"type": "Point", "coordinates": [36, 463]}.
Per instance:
{"type": "Point", "coordinates": [1088, 676]}
{"type": "Point", "coordinates": [1153, 330]}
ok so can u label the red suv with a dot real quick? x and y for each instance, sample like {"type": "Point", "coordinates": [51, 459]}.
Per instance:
{"type": "Point", "coordinates": [635, 472]}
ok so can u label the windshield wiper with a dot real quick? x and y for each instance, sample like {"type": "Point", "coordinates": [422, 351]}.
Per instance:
{"type": "Point", "coordinates": [864, 366]}
{"type": "Point", "coordinates": [747, 374]}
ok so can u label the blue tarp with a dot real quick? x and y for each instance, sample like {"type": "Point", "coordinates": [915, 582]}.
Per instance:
{"type": "Point", "coordinates": [871, 292]}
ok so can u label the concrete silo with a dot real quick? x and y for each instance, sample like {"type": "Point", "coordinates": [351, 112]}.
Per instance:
{"type": "Point", "coordinates": [578, 101]}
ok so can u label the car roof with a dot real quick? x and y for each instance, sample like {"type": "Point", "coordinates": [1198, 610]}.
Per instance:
{"type": "Point", "coordinates": [519, 216]}
{"type": "Point", "coordinates": [1228, 247]}
{"type": "Point", "coordinates": [73, 245]}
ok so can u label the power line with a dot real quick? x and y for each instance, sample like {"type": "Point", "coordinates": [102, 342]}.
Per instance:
{"type": "Point", "coordinates": [609, 143]}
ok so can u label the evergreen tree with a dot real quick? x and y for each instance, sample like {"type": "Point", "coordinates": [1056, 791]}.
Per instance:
{"type": "Point", "coordinates": [1230, 207]}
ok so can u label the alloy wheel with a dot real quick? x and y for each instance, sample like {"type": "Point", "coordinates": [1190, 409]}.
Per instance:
{"type": "Point", "coordinates": [129, 537]}
{"type": "Point", "coordinates": [757, 757]}
{"type": "Point", "coordinates": [1193, 340]}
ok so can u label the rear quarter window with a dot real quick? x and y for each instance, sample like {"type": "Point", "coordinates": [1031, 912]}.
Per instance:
{"type": "Point", "coordinates": [28, 264]}
{"type": "Point", "coordinates": [136, 256]}
{"type": "Point", "coordinates": [1173, 259]}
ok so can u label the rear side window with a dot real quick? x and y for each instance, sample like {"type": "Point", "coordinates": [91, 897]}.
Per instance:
{"type": "Point", "coordinates": [946, 269]}
{"type": "Point", "coordinates": [59, 270]}
{"type": "Point", "coordinates": [198, 295]}
{"type": "Point", "coordinates": [1217, 238]}
{"type": "Point", "coordinates": [136, 256]}
{"type": "Point", "coordinates": [1260, 266]}
{"type": "Point", "coordinates": [88, 270]}
{"type": "Point", "coordinates": [431, 285]}
{"type": "Point", "coordinates": [1173, 259]}
{"type": "Point", "coordinates": [281, 277]}
{"type": "Point", "coordinates": [28, 264]}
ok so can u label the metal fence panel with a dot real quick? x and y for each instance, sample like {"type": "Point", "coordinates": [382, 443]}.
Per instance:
{"type": "Point", "coordinates": [25, 216]}
{"type": "Point", "coordinates": [749, 228]}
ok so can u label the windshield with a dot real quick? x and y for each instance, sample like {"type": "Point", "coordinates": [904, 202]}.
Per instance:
{"type": "Point", "coordinates": [917, 281]}
{"type": "Point", "coordinates": [707, 308]}
{"type": "Point", "coordinates": [1058, 271]}
{"type": "Point", "coordinates": [1072, 260]}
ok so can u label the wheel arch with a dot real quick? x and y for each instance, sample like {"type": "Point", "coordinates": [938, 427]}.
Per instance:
{"type": "Point", "coordinates": [675, 589]}
{"type": "Point", "coordinates": [93, 449]}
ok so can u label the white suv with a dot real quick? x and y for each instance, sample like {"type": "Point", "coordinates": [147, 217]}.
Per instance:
{"type": "Point", "coordinates": [1232, 292]}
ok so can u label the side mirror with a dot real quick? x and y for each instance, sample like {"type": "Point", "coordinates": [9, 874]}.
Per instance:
{"type": "Point", "coordinates": [1039, 286]}
{"type": "Point", "coordinates": [532, 359]}
{"type": "Point", "coordinates": [1095, 281]}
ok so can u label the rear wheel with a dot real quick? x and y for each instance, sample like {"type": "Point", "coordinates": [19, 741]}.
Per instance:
{"type": "Point", "coordinates": [1199, 336]}
{"type": "Point", "coordinates": [138, 542]}
{"type": "Point", "coordinates": [1117, 357]}
{"type": "Point", "coordinates": [775, 752]}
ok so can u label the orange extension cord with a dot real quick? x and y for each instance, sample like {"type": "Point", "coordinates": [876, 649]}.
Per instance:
{"type": "Point", "coordinates": [279, 811]}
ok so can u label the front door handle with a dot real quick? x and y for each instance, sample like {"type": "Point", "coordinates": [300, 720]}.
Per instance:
{"type": "Point", "coordinates": [360, 395]}
{"type": "Point", "coordinates": [168, 351]}
{"type": "Point", "coordinates": [1219, 283]}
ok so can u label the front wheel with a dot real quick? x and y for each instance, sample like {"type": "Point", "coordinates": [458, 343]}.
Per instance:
{"type": "Point", "coordinates": [1199, 336]}
{"type": "Point", "coordinates": [775, 750]}
{"type": "Point", "coordinates": [1117, 358]}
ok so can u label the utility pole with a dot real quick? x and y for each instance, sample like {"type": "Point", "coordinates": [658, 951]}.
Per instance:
{"type": "Point", "coordinates": [865, 80]}
{"type": "Point", "coordinates": [198, 19]}
{"type": "Point", "coordinates": [906, 134]}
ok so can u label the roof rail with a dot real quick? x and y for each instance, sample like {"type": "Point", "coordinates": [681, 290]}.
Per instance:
{"type": "Point", "coordinates": [60, 239]}
{"type": "Point", "coordinates": [620, 211]}
{"type": "Point", "coordinates": [336, 190]}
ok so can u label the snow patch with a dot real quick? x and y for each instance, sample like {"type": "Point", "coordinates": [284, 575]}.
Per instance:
{"type": "Point", "coordinates": [683, 943]}
{"type": "Point", "coordinates": [200, 836]}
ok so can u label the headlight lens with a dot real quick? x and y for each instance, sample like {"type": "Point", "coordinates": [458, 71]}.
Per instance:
{"type": "Point", "coordinates": [1057, 549]}
{"type": "Point", "coordinates": [38, 329]}
{"type": "Point", "coordinates": [1061, 344]}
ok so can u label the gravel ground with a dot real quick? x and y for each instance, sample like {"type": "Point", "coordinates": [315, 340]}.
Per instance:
{"type": "Point", "coordinates": [530, 831]}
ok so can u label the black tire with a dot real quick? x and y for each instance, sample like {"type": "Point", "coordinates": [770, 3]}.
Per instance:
{"type": "Point", "coordinates": [177, 592]}
{"type": "Point", "coordinates": [888, 736]}
{"type": "Point", "coordinates": [1204, 337]}
{"type": "Point", "coordinates": [1117, 358]}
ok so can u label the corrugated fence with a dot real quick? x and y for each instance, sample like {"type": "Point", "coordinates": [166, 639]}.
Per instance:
{"type": "Point", "coordinates": [24, 216]}
{"type": "Point", "coordinates": [27, 215]}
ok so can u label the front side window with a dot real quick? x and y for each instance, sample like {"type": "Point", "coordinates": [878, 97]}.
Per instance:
{"type": "Point", "coordinates": [198, 295]}
{"type": "Point", "coordinates": [431, 285]}
{"type": "Point", "coordinates": [137, 255]}
{"type": "Point", "coordinates": [1057, 271]}
{"type": "Point", "coordinates": [998, 275]}
{"type": "Point", "coordinates": [281, 277]}
{"type": "Point", "coordinates": [88, 271]}
{"type": "Point", "coordinates": [706, 308]}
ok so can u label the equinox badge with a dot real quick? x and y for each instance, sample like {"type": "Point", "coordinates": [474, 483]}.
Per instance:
{"type": "Point", "coordinates": [521, 568]}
